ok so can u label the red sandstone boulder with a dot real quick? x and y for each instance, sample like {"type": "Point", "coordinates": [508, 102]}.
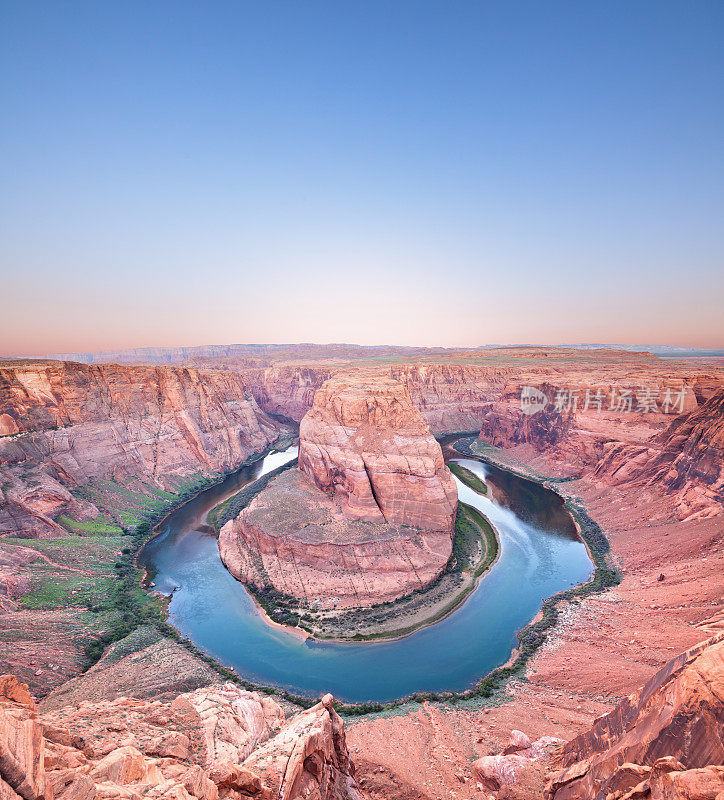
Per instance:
{"type": "Point", "coordinates": [308, 758]}
{"type": "Point", "coordinates": [518, 741]}
{"type": "Point", "coordinates": [493, 772]}
{"type": "Point", "coordinates": [234, 721]}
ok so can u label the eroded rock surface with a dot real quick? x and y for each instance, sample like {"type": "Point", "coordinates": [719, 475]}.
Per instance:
{"type": "Point", "coordinates": [668, 734]}
{"type": "Point", "coordinates": [364, 443]}
{"type": "Point", "coordinates": [65, 424]}
{"type": "Point", "coordinates": [686, 459]}
{"type": "Point", "coordinates": [369, 515]}
{"type": "Point", "coordinates": [218, 742]}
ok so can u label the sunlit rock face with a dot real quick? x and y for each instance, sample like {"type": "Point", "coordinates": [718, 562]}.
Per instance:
{"type": "Point", "coordinates": [664, 741]}
{"type": "Point", "coordinates": [369, 515]}
{"type": "Point", "coordinates": [217, 743]}
{"type": "Point", "coordinates": [365, 444]}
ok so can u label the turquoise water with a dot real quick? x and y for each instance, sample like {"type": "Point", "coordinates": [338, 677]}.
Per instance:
{"type": "Point", "coordinates": [540, 555]}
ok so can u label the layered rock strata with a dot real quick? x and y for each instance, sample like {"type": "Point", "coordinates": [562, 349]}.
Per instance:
{"type": "Point", "coordinates": [369, 515]}
{"type": "Point", "coordinates": [295, 539]}
{"type": "Point", "coordinates": [64, 424]}
{"type": "Point", "coordinates": [367, 446]}
{"type": "Point", "coordinates": [686, 460]}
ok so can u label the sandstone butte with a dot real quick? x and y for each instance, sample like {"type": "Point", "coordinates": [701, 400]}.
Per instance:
{"type": "Point", "coordinates": [368, 516]}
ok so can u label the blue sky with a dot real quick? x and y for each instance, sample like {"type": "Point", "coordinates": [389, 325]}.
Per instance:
{"type": "Point", "coordinates": [413, 173]}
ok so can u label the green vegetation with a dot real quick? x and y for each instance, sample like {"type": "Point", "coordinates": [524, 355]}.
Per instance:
{"type": "Point", "coordinates": [126, 604]}
{"type": "Point", "coordinates": [468, 477]}
{"type": "Point", "coordinates": [232, 507]}
{"type": "Point", "coordinates": [475, 546]}
{"type": "Point", "coordinates": [99, 527]}
{"type": "Point", "coordinates": [71, 571]}
{"type": "Point", "coordinates": [134, 502]}
{"type": "Point", "coordinates": [93, 569]}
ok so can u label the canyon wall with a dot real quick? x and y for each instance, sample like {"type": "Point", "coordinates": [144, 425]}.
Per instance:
{"type": "Point", "coordinates": [65, 424]}
{"type": "Point", "coordinates": [287, 391]}
{"type": "Point", "coordinates": [686, 460]}
{"type": "Point", "coordinates": [453, 393]}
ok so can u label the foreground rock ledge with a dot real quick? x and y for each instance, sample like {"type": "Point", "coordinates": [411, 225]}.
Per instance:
{"type": "Point", "coordinates": [217, 742]}
{"type": "Point", "coordinates": [664, 741]}
{"type": "Point", "coordinates": [368, 517]}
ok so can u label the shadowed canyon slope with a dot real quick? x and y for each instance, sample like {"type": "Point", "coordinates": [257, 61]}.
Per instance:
{"type": "Point", "coordinates": [369, 515]}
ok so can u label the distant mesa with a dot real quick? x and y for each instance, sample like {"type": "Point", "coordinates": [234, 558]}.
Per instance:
{"type": "Point", "coordinates": [369, 515]}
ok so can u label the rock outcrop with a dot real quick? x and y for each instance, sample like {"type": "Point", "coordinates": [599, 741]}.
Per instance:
{"type": "Point", "coordinates": [22, 767]}
{"type": "Point", "coordinates": [308, 758]}
{"type": "Point", "coordinates": [219, 742]}
{"type": "Point", "coordinates": [667, 736]}
{"type": "Point", "coordinates": [294, 538]}
{"type": "Point", "coordinates": [366, 445]}
{"type": "Point", "coordinates": [686, 460]}
{"type": "Point", "coordinates": [369, 515]}
{"type": "Point", "coordinates": [65, 424]}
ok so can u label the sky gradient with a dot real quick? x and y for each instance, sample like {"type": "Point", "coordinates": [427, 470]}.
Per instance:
{"type": "Point", "coordinates": [444, 173]}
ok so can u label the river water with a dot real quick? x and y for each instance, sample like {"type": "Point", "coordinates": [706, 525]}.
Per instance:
{"type": "Point", "coordinates": [540, 555]}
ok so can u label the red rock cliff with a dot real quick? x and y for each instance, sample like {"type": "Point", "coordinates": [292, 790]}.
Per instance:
{"type": "Point", "coordinates": [62, 424]}
{"type": "Point", "coordinates": [366, 444]}
{"type": "Point", "coordinates": [686, 459]}
{"type": "Point", "coordinates": [663, 741]}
